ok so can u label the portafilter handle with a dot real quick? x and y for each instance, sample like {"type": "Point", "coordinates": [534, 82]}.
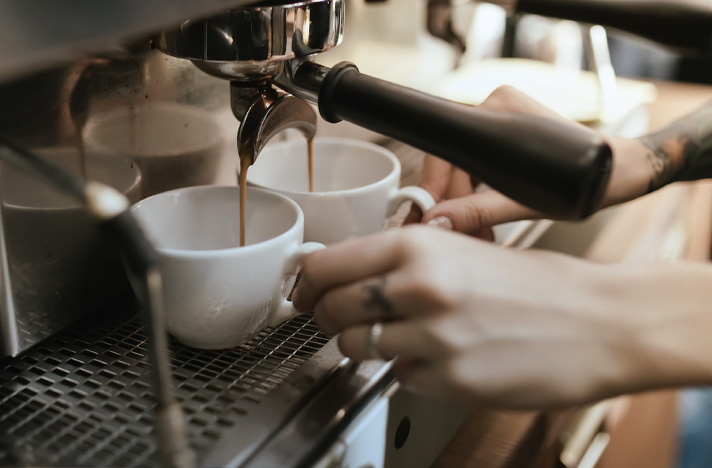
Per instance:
{"type": "Point", "coordinates": [560, 170]}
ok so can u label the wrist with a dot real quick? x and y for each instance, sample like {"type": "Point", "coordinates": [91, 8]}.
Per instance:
{"type": "Point", "coordinates": [630, 177]}
{"type": "Point", "coordinates": [660, 317]}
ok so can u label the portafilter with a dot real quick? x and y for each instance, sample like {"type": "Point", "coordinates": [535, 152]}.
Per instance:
{"type": "Point", "coordinates": [544, 164]}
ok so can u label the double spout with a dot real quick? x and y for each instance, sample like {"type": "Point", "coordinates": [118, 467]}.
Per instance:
{"type": "Point", "coordinates": [264, 112]}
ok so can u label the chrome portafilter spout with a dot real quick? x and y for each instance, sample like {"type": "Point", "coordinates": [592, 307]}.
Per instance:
{"type": "Point", "coordinates": [249, 47]}
{"type": "Point", "coordinates": [264, 112]}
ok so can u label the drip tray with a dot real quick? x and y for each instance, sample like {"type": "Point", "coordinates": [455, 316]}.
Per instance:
{"type": "Point", "coordinates": [83, 398]}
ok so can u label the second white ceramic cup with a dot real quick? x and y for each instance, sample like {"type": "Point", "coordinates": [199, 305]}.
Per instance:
{"type": "Point", "coordinates": [175, 145]}
{"type": "Point", "coordinates": [218, 294]}
{"type": "Point", "coordinates": [356, 185]}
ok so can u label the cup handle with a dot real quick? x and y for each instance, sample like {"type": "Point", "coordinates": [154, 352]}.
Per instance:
{"type": "Point", "coordinates": [417, 195]}
{"type": "Point", "coordinates": [286, 310]}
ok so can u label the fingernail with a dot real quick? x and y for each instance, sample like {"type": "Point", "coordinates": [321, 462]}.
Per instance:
{"type": "Point", "coordinates": [441, 222]}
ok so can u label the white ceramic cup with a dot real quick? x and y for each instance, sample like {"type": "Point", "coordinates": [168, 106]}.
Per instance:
{"type": "Point", "coordinates": [218, 294]}
{"type": "Point", "coordinates": [175, 145]}
{"type": "Point", "coordinates": [355, 185]}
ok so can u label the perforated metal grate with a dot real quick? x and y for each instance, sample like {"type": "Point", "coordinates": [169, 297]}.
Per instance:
{"type": "Point", "coordinates": [84, 398]}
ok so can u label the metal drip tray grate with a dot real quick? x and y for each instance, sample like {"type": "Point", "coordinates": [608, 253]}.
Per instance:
{"type": "Point", "coordinates": [83, 398]}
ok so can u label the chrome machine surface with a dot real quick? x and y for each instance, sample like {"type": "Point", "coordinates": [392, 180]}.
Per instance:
{"type": "Point", "coordinates": [76, 389]}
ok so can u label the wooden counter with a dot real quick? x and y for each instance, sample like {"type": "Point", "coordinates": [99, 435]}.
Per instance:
{"type": "Point", "coordinates": [675, 100]}
{"type": "Point", "coordinates": [642, 428]}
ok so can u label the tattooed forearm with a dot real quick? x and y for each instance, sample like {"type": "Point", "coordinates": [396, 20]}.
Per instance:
{"type": "Point", "coordinates": [682, 150]}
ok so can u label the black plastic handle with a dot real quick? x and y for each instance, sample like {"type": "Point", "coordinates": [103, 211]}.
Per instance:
{"type": "Point", "coordinates": [558, 169]}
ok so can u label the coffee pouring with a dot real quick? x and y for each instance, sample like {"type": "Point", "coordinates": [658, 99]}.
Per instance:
{"type": "Point", "coordinates": [279, 76]}
{"type": "Point", "coordinates": [549, 169]}
{"type": "Point", "coordinates": [560, 173]}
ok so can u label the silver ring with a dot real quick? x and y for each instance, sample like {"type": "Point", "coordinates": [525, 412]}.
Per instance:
{"type": "Point", "coordinates": [374, 337]}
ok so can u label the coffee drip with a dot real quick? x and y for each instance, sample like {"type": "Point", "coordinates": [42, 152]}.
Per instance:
{"type": "Point", "coordinates": [310, 162]}
{"type": "Point", "coordinates": [246, 160]}
{"type": "Point", "coordinates": [245, 163]}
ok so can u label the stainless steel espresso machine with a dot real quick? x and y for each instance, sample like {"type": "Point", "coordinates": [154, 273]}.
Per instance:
{"type": "Point", "coordinates": [80, 391]}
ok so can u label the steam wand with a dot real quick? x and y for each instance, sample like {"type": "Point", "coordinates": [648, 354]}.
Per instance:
{"type": "Point", "coordinates": [109, 207]}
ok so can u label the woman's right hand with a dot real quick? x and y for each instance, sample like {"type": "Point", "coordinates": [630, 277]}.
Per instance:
{"type": "Point", "coordinates": [463, 207]}
{"type": "Point", "coordinates": [508, 328]}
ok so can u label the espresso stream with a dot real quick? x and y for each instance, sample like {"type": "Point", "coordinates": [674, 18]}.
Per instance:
{"type": "Point", "coordinates": [246, 162]}
{"type": "Point", "coordinates": [310, 158]}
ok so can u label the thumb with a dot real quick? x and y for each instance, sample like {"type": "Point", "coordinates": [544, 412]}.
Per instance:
{"type": "Point", "coordinates": [473, 213]}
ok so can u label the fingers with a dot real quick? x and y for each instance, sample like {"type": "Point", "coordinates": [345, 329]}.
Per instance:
{"type": "Point", "coordinates": [435, 178]}
{"type": "Point", "coordinates": [414, 215]}
{"type": "Point", "coordinates": [509, 99]}
{"type": "Point", "coordinates": [382, 299]}
{"type": "Point", "coordinates": [364, 302]}
{"type": "Point", "coordinates": [460, 184]}
{"type": "Point", "coordinates": [409, 341]}
{"type": "Point", "coordinates": [346, 263]}
{"type": "Point", "coordinates": [444, 181]}
{"type": "Point", "coordinates": [473, 213]}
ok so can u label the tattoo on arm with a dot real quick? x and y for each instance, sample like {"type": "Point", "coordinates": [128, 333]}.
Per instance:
{"type": "Point", "coordinates": [682, 150]}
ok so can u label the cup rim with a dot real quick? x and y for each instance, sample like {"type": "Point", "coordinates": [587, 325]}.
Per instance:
{"type": "Point", "coordinates": [101, 148]}
{"type": "Point", "coordinates": [336, 193]}
{"type": "Point", "coordinates": [62, 151]}
{"type": "Point", "coordinates": [264, 244]}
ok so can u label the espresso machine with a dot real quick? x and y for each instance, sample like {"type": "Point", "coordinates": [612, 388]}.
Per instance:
{"type": "Point", "coordinates": [77, 390]}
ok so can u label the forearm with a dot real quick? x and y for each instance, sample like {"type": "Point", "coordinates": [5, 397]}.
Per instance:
{"type": "Point", "coordinates": [680, 151]}
{"type": "Point", "coordinates": [663, 314]}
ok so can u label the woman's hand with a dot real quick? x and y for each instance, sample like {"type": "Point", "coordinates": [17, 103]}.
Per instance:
{"type": "Point", "coordinates": [461, 207]}
{"type": "Point", "coordinates": [465, 209]}
{"type": "Point", "coordinates": [520, 329]}
{"type": "Point", "coordinates": [468, 319]}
